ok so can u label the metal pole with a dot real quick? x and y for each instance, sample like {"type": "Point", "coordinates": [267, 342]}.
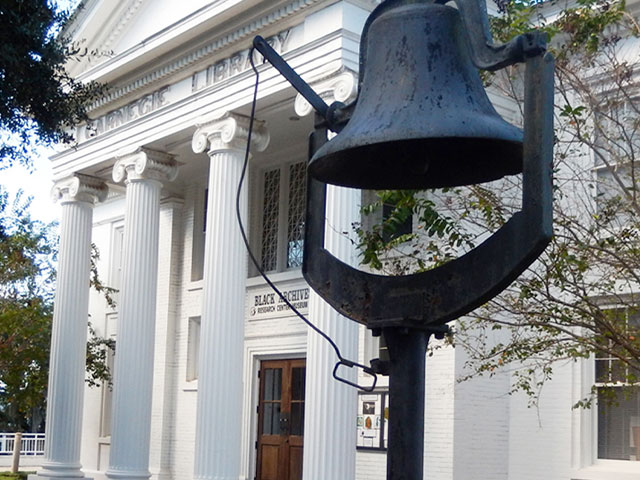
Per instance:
{"type": "Point", "coordinates": [407, 351]}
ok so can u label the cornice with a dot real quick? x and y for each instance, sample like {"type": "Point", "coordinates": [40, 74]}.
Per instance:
{"type": "Point", "coordinates": [78, 17]}
{"type": "Point", "coordinates": [99, 148]}
{"type": "Point", "coordinates": [123, 20]}
{"type": "Point", "coordinates": [190, 58]}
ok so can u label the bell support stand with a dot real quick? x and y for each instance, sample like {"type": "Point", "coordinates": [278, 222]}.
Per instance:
{"type": "Point", "coordinates": [407, 310]}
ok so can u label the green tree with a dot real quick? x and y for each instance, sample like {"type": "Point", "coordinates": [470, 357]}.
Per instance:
{"type": "Point", "coordinates": [39, 102]}
{"type": "Point", "coordinates": [27, 247]}
{"type": "Point", "coordinates": [580, 299]}
{"type": "Point", "coordinates": [27, 276]}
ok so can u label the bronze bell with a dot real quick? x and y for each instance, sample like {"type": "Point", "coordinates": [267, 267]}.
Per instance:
{"type": "Point", "coordinates": [422, 118]}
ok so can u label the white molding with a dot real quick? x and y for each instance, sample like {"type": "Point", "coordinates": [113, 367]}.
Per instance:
{"type": "Point", "coordinates": [123, 19]}
{"type": "Point", "coordinates": [257, 350]}
{"type": "Point", "coordinates": [190, 58]}
{"type": "Point", "coordinates": [183, 114]}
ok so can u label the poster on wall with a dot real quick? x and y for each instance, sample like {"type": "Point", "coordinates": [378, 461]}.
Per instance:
{"type": "Point", "coordinates": [372, 422]}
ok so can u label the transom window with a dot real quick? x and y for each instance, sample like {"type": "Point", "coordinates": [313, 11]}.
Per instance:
{"type": "Point", "coordinates": [284, 193]}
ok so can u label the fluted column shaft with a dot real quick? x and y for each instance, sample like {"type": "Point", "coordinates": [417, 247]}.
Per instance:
{"type": "Point", "coordinates": [133, 370]}
{"type": "Point", "coordinates": [69, 335]}
{"type": "Point", "coordinates": [329, 429]}
{"type": "Point", "coordinates": [219, 407]}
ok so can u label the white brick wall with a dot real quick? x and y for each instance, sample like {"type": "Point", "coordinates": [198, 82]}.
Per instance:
{"type": "Point", "coordinates": [540, 438]}
{"type": "Point", "coordinates": [481, 434]}
{"type": "Point", "coordinates": [439, 414]}
{"type": "Point", "coordinates": [179, 451]}
{"type": "Point", "coordinates": [165, 367]}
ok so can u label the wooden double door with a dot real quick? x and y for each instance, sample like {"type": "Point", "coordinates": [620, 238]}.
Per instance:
{"type": "Point", "coordinates": [281, 420]}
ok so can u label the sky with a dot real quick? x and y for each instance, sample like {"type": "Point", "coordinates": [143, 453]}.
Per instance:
{"type": "Point", "coordinates": [39, 183]}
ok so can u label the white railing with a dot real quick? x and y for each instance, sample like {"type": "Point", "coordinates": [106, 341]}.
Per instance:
{"type": "Point", "coordinates": [32, 443]}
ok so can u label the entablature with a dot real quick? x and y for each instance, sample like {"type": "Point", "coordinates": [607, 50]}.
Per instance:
{"type": "Point", "coordinates": [163, 114]}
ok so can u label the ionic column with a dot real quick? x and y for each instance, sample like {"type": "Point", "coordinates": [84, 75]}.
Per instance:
{"type": "Point", "coordinates": [142, 172]}
{"type": "Point", "coordinates": [77, 196]}
{"type": "Point", "coordinates": [219, 409]}
{"type": "Point", "coordinates": [331, 406]}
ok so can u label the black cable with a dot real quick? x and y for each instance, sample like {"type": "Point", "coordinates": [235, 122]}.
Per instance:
{"type": "Point", "coordinates": [342, 360]}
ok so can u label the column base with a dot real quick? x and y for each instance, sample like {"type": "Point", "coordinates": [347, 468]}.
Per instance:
{"type": "Point", "coordinates": [44, 476]}
{"type": "Point", "coordinates": [124, 474]}
{"type": "Point", "coordinates": [63, 474]}
{"type": "Point", "coordinates": [59, 471]}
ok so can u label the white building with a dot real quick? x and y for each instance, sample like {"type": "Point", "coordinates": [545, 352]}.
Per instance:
{"type": "Point", "coordinates": [214, 377]}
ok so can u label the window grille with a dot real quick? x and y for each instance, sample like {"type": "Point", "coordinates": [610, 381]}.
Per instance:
{"type": "Point", "coordinates": [283, 214]}
{"type": "Point", "coordinates": [296, 217]}
{"type": "Point", "coordinates": [270, 214]}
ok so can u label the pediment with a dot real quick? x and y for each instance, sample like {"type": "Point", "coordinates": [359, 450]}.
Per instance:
{"type": "Point", "coordinates": [144, 18]}
{"type": "Point", "coordinates": [108, 28]}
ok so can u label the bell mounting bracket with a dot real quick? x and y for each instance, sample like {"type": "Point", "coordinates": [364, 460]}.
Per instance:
{"type": "Point", "coordinates": [427, 299]}
{"type": "Point", "coordinates": [424, 300]}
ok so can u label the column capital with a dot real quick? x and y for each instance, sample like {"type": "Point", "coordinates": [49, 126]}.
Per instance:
{"type": "Point", "coordinates": [228, 131]}
{"type": "Point", "coordinates": [340, 87]}
{"type": "Point", "coordinates": [145, 164]}
{"type": "Point", "coordinates": [79, 188]}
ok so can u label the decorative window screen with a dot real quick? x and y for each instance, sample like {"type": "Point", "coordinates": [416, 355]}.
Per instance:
{"type": "Point", "coordinates": [270, 216]}
{"type": "Point", "coordinates": [283, 214]}
{"type": "Point", "coordinates": [296, 216]}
